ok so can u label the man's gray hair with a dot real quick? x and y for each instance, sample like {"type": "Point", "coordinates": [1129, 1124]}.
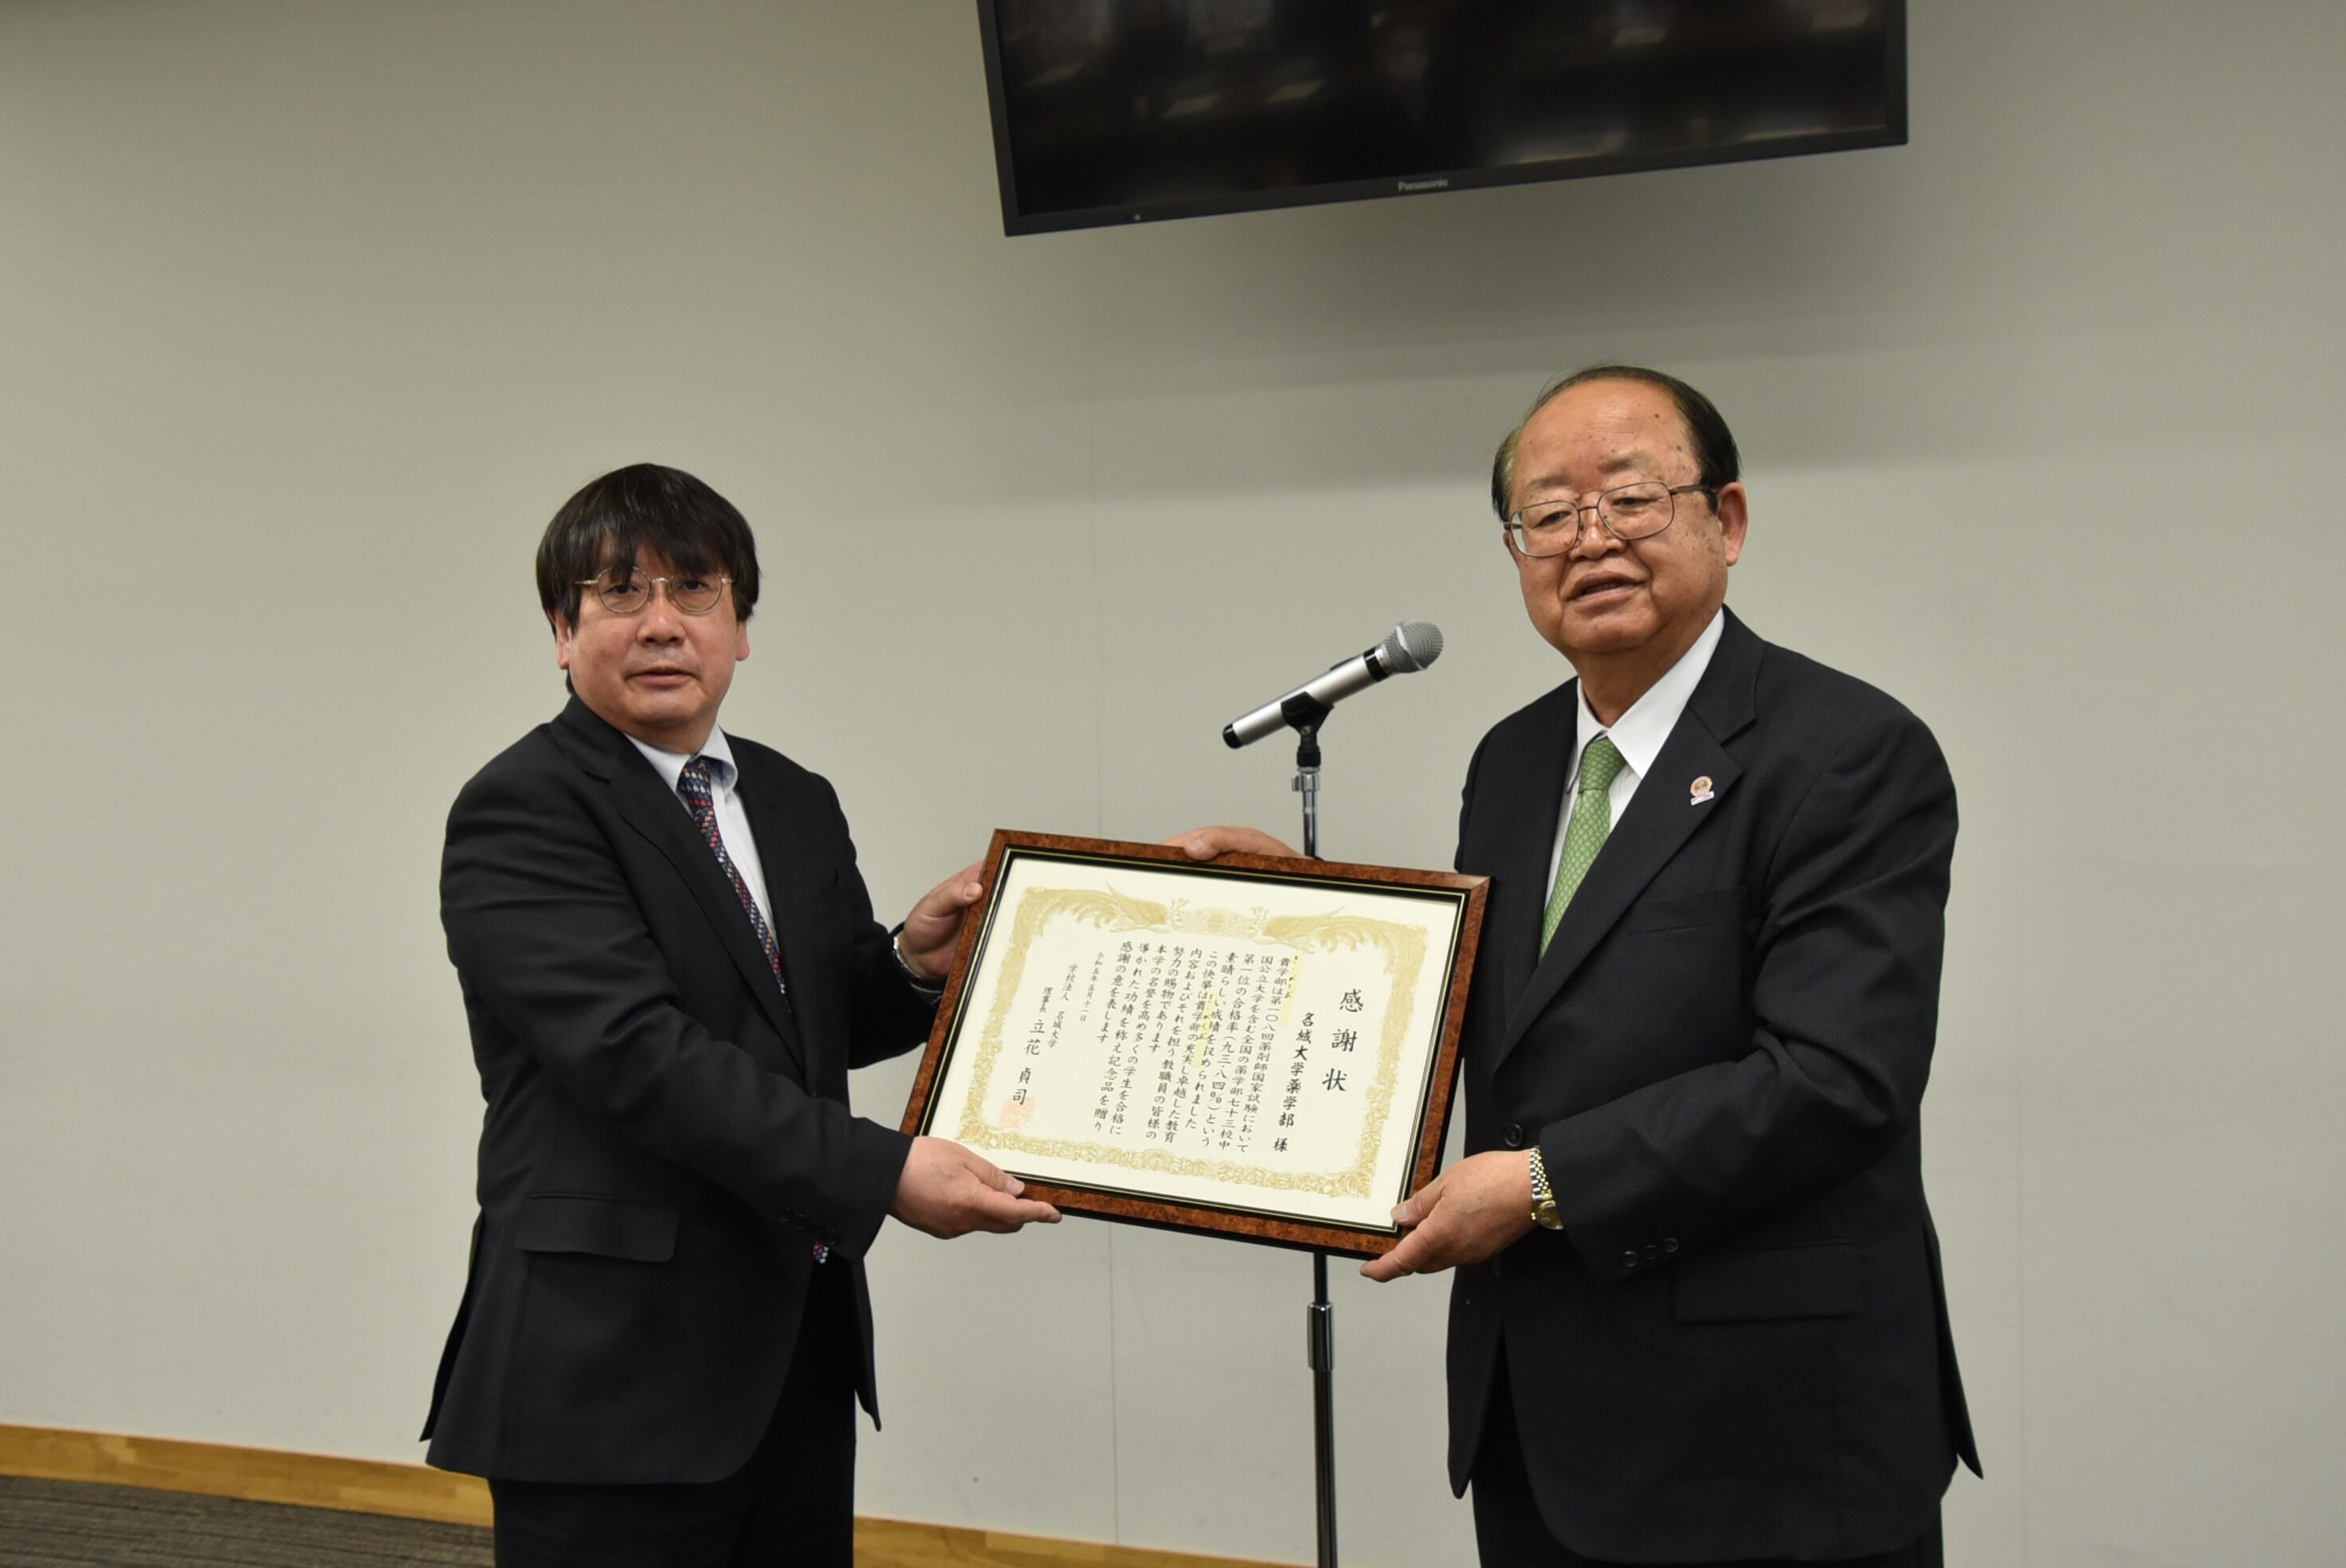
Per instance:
{"type": "Point", "coordinates": [1713, 442]}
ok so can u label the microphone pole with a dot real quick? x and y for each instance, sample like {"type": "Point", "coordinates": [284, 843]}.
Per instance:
{"type": "Point", "coordinates": [1307, 714]}
{"type": "Point", "coordinates": [1411, 645]}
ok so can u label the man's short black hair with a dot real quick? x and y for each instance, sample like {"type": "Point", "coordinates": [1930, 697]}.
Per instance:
{"type": "Point", "coordinates": [643, 510]}
{"type": "Point", "coordinates": [1715, 456]}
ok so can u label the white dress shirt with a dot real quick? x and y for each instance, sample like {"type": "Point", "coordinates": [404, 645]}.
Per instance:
{"type": "Point", "coordinates": [732, 824]}
{"type": "Point", "coordinates": [1638, 734]}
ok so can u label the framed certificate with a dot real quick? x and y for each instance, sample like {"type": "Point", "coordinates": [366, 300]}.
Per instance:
{"type": "Point", "coordinates": [1251, 1047]}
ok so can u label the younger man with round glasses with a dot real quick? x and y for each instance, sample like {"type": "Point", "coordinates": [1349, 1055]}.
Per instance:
{"type": "Point", "coordinates": [1697, 1316]}
{"type": "Point", "coordinates": [669, 963]}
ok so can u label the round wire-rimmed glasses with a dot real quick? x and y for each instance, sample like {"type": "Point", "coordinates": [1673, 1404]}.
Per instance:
{"type": "Point", "coordinates": [625, 593]}
{"type": "Point", "coordinates": [1627, 511]}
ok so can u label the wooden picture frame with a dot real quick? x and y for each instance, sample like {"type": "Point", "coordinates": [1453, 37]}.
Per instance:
{"type": "Point", "coordinates": [1116, 1013]}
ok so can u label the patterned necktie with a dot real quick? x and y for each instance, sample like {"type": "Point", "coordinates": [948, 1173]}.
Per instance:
{"type": "Point", "coordinates": [693, 786]}
{"type": "Point", "coordinates": [1592, 820]}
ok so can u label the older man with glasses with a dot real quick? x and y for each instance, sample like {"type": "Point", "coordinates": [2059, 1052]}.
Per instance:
{"type": "Point", "coordinates": [1696, 1315]}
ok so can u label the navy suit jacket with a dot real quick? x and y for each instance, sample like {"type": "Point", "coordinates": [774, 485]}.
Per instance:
{"type": "Point", "coordinates": [1738, 1345]}
{"type": "Point", "coordinates": [666, 1135]}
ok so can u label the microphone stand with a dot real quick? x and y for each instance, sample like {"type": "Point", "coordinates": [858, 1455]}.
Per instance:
{"type": "Point", "coordinates": [1306, 714]}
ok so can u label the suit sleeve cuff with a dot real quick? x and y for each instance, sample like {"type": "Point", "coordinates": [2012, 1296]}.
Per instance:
{"type": "Point", "coordinates": [1611, 1246]}
{"type": "Point", "coordinates": [874, 1165]}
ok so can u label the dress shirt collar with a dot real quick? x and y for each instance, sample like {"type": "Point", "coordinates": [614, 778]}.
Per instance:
{"type": "Point", "coordinates": [1640, 732]}
{"type": "Point", "coordinates": [671, 763]}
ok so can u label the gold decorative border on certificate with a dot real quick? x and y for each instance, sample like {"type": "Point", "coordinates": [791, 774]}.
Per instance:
{"type": "Point", "coordinates": [1402, 947]}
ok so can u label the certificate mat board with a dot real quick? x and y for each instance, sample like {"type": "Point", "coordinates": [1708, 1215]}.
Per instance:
{"type": "Point", "coordinates": [1246, 1047]}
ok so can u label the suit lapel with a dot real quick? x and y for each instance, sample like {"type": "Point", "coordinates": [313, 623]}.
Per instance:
{"type": "Point", "coordinates": [1528, 842]}
{"type": "Point", "coordinates": [1662, 816]}
{"type": "Point", "coordinates": [793, 891]}
{"type": "Point", "coordinates": [649, 807]}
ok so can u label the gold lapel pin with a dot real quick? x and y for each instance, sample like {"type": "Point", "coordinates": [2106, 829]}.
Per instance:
{"type": "Point", "coordinates": [1700, 790]}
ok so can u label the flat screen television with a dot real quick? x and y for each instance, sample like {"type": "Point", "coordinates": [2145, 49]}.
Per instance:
{"type": "Point", "coordinates": [1121, 111]}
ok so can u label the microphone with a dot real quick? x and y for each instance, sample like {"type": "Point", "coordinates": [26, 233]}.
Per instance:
{"type": "Point", "coordinates": [1411, 645]}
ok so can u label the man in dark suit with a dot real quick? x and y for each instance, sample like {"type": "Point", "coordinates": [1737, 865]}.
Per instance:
{"type": "Point", "coordinates": [669, 963]}
{"type": "Point", "coordinates": [1697, 1315]}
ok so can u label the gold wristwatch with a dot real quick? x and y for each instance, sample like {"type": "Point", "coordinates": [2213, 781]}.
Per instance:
{"type": "Point", "coordinates": [1543, 1196]}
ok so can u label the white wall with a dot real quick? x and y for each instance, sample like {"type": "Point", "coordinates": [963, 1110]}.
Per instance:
{"type": "Point", "coordinates": [313, 314]}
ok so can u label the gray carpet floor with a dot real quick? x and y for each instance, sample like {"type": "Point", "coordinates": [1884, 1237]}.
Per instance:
{"type": "Point", "coordinates": [74, 1525]}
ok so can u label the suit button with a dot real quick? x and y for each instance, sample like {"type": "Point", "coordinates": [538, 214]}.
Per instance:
{"type": "Point", "coordinates": [1652, 1255]}
{"type": "Point", "coordinates": [1513, 1137]}
{"type": "Point", "coordinates": [1670, 1244]}
{"type": "Point", "coordinates": [1629, 1258]}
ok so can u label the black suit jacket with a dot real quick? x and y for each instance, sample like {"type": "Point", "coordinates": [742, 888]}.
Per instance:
{"type": "Point", "coordinates": [1738, 1346]}
{"type": "Point", "coordinates": [667, 1136]}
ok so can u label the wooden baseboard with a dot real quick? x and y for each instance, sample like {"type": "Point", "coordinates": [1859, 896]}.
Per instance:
{"type": "Point", "coordinates": [416, 1492]}
{"type": "Point", "coordinates": [253, 1474]}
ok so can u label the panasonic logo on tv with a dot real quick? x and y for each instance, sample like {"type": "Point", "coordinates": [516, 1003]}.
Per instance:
{"type": "Point", "coordinates": [1409, 185]}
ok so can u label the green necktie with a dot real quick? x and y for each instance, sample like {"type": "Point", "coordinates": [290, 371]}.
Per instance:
{"type": "Point", "coordinates": [1592, 819]}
